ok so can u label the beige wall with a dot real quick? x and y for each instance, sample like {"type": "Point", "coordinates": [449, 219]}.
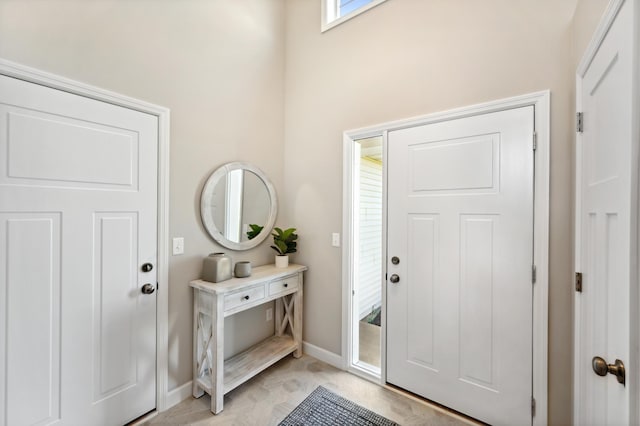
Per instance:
{"type": "Point", "coordinates": [226, 68]}
{"type": "Point", "coordinates": [218, 65]}
{"type": "Point", "coordinates": [413, 57]}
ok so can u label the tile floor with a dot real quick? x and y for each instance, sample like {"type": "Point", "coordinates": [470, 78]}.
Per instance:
{"type": "Point", "coordinates": [270, 396]}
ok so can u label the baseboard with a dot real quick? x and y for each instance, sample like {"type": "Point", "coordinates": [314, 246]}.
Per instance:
{"type": "Point", "coordinates": [177, 395]}
{"type": "Point", "coordinates": [323, 355]}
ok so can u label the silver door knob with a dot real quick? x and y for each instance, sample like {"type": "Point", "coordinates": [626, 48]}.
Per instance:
{"type": "Point", "coordinates": [601, 368]}
{"type": "Point", "coordinates": [148, 289]}
{"type": "Point", "coordinates": [394, 278]}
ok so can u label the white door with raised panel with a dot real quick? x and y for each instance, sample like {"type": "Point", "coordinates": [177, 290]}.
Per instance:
{"type": "Point", "coordinates": [606, 212]}
{"type": "Point", "coordinates": [78, 190]}
{"type": "Point", "coordinates": [460, 249]}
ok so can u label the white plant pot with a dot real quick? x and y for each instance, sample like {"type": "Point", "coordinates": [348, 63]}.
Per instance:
{"type": "Point", "coordinates": [282, 261]}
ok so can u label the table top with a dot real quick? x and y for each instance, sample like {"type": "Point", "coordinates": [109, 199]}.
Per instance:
{"type": "Point", "coordinates": [259, 274]}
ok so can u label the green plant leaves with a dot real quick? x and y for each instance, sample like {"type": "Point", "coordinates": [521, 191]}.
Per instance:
{"type": "Point", "coordinates": [284, 240]}
{"type": "Point", "coordinates": [254, 231]}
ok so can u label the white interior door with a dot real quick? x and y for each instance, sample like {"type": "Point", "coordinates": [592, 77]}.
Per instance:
{"type": "Point", "coordinates": [607, 218]}
{"type": "Point", "coordinates": [78, 209]}
{"type": "Point", "coordinates": [460, 223]}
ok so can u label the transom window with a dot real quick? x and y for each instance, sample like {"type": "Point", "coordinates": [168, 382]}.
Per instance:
{"type": "Point", "coordinates": [335, 12]}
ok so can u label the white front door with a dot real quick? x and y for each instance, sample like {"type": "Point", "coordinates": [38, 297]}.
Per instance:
{"type": "Point", "coordinates": [607, 218]}
{"type": "Point", "coordinates": [78, 190]}
{"type": "Point", "coordinates": [460, 248]}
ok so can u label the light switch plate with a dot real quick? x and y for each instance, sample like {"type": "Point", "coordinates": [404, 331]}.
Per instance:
{"type": "Point", "coordinates": [178, 245]}
{"type": "Point", "coordinates": [335, 239]}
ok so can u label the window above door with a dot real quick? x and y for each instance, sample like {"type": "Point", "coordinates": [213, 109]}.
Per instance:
{"type": "Point", "coordinates": [335, 12]}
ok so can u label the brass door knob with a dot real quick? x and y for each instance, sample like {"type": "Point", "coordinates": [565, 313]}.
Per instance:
{"type": "Point", "coordinates": [601, 368]}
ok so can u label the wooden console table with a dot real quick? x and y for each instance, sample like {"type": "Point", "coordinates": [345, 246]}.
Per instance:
{"type": "Point", "coordinates": [213, 302]}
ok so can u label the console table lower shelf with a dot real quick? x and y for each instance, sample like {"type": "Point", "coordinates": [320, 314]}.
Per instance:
{"type": "Point", "coordinates": [247, 364]}
{"type": "Point", "coordinates": [213, 302]}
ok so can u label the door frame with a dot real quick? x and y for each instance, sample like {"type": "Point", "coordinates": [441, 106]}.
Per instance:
{"type": "Point", "coordinates": [541, 101]}
{"type": "Point", "coordinates": [633, 363]}
{"type": "Point", "coordinates": [43, 78]}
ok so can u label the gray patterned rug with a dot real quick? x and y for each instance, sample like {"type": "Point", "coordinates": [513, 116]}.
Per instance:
{"type": "Point", "coordinates": [325, 408]}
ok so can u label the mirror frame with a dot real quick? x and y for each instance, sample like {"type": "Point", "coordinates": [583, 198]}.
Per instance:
{"type": "Point", "coordinates": [207, 220]}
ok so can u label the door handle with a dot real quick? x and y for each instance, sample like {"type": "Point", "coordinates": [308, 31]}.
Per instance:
{"type": "Point", "coordinates": [148, 289]}
{"type": "Point", "coordinates": [394, 278]}
{"type": "Point", "coordinates": [601, 368]}
{"type": "Point", "coordinates": [147, 267]}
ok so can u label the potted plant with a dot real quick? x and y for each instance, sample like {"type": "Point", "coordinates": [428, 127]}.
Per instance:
{"type": "Point", "coordinates": [284, 243]}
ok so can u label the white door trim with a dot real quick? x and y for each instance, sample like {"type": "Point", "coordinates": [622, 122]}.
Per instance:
{"type": "Point", "coordinates": [601, 31]}
{"type": "Point", "coordinates": [541, 103]}
{"type": "Point", "coordinates": [25, 73]}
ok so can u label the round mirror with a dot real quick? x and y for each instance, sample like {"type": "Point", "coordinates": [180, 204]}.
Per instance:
{"type": "Point", "coordinates": [238, 206]}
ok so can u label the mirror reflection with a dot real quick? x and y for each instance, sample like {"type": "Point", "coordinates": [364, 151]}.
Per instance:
{"type": "Point", "coordinates": [238, 206]}
{"type": "Point", "coordinates": [240, 199]}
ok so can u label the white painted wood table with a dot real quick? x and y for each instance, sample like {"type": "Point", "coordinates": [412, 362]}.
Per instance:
{"type": "Point", "coordinates": [213, 302]}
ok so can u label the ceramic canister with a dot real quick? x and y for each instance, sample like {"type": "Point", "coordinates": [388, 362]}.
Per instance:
{"type": "Point", "coordinates": [216, 267]}
{"type": "Point", "coordinates": [242, 269]}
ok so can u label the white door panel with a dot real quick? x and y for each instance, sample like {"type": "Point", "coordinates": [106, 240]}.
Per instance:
{"type": "Point", "coordinates": [33, 381]}
{"type": "Point", "coordinates": [459, 326]}
{"type": "Point", "coordinates": [606, 216]}
{"type": "Point", "coordinates": [78, 207]}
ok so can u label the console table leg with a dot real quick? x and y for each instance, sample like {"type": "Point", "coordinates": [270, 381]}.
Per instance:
{"type": "Point", "coordinates": [217, 342]}
{"type": "Point", "coordinates": [196, 390]}
{"type": "Point", "coordinates": [296, 327]}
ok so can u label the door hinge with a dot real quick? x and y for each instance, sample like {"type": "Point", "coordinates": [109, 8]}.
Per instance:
{"type": "Point", "coordinates": [533, 274]}
{"type": "Point", "coordinates": [533, 407]}
{"type": "Point", "coordinates": [579, 282]}
{"type": "Point", "coordinates": [535, 141]}
{"type": "Point", "coordinates": [579, 122]}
